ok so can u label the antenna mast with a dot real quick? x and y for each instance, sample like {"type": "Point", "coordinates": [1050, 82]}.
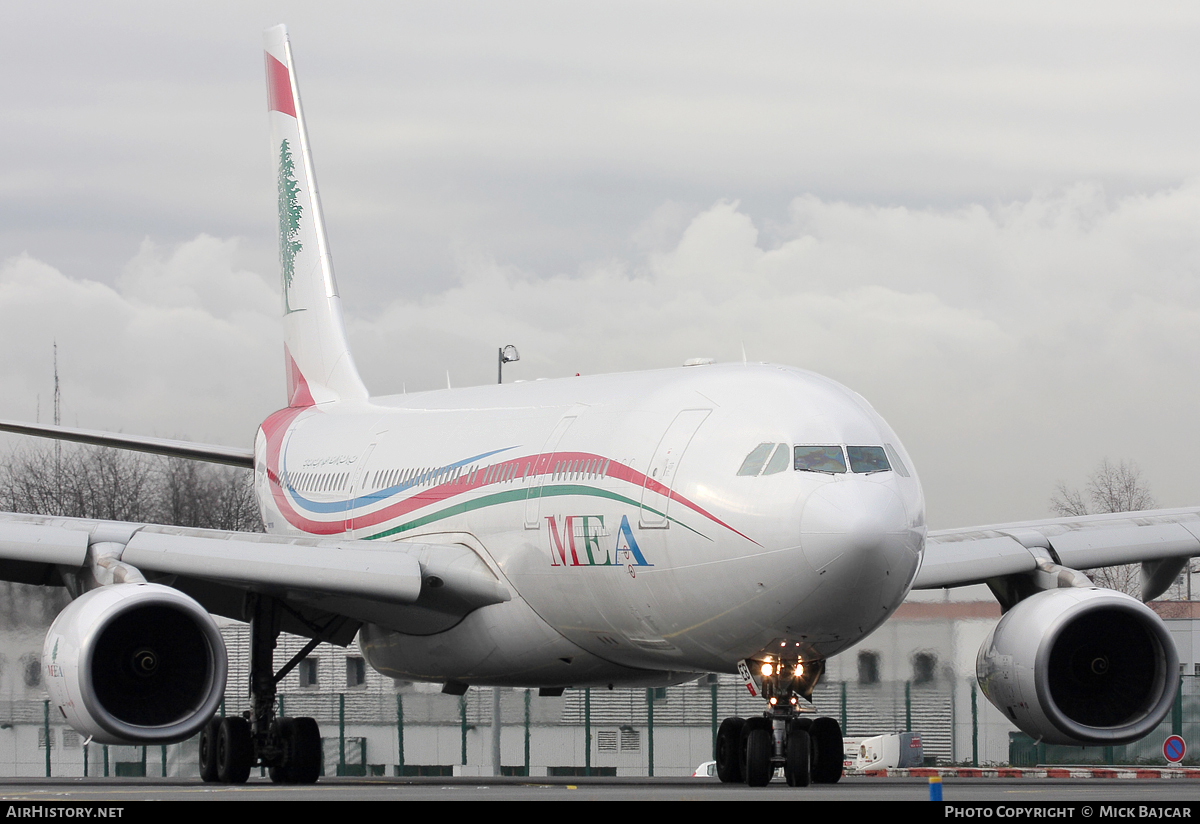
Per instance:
{"type": "Point", "coordinates": [57, 443]}
{"type": "Point", "coordinates": [57, 397]}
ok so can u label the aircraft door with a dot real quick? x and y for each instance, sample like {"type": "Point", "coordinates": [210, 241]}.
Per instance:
{"type": "Point", "coordinates": [664, 464]}
{"type": "Point", "coordinates": [357, 501]}
{"type": "Point", "coordinates": [543, 466]}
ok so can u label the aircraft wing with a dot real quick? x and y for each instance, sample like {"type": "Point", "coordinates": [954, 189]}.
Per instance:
{"type": "Point", "coordinates": [231, 455]}
{"type": "Point", "coordinates": [330, 586]}
{"type": "Point", "coordinates": [1161, 540]}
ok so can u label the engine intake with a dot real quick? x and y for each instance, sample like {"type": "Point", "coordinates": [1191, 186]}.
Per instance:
{"type": "Point", "coordinates": [1080, 666]}
{"type": "Point", "coordinates": [135, 664]}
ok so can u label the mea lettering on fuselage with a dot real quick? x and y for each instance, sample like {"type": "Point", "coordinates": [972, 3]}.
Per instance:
{"type": "Point", "coordinates": [625, 550]}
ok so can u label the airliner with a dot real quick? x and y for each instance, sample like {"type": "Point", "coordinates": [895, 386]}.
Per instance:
{"type": "Point", "coordinates": [632, 529]}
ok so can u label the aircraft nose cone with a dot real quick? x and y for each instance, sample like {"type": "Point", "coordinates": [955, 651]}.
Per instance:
{"type": "Point", "coordinates": [858, 534]}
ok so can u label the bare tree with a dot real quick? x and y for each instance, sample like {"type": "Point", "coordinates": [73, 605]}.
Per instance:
{"type": "Point", "coordinates": [1119, 488]}
{"type": "Point", "coordinates": [1068, 501]}
{"type": "Point", "coordinates": [114, 484]}
{"type": "Point", "coordinates": [80, 483]}
{"type": "Point", "coordinates": [1111, 487]}
{"type": "Point", "coordinates": [191, 493]}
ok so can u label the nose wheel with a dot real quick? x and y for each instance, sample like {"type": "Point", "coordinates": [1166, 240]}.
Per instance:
{"type": "Point", "coordinates": [797, 766]}
{"type": "Point", "coordinates": [809, 749]}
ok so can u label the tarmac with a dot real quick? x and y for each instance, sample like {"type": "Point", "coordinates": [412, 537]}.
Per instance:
{"type": "Point", "coordinates": [1132, 788]}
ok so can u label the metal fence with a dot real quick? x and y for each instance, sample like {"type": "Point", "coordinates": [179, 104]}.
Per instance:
{"type": "Point", "coordinates": [380, 726]}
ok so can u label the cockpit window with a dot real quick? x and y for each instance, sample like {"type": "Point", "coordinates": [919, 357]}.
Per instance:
{"type": "Point", "coordinates": [894, 458]}
{"type": "Point", "coordinates": [867, 459]}
{"type": "Point", "coordinates": [820, 459]}
{"type": "Point", "coordinates": [779, 460]}
{"type": "Point", "coordinates": [755, 460]}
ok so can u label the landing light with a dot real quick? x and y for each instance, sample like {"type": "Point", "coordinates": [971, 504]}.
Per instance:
{"type": "Point", "coordinates": [799, 670]}
{"type": "Point", "coordinates": [766, 669]}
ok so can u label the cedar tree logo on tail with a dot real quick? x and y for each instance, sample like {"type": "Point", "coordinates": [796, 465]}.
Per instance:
{"type": "Point", "coordinates": [290, 212]}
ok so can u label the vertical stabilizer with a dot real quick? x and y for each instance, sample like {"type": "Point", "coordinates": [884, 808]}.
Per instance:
{"type": "Point", "coordinates": [317, 357]}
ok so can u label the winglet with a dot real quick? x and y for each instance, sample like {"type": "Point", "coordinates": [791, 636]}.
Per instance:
{"type": "Point", "coordinates": [316, 350]}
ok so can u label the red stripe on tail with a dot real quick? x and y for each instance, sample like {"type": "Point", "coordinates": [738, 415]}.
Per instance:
{"type": "Point", "coordinates": [279, 88]}
{"type": "Point", "coordinates": [298, 392]}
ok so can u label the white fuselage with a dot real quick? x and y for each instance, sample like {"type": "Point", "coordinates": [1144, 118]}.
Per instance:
{"type": "Point", "coordinates": [613, 510]}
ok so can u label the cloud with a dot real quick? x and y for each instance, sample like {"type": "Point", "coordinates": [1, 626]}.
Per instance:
{"type": "Point", "coordinates": [1010, 345]}
{"type": "Point", "coordinates": [185, 344]}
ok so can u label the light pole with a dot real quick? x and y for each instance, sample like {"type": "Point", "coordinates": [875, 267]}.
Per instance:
{"type": "Point", "coordinates": [506, 354]}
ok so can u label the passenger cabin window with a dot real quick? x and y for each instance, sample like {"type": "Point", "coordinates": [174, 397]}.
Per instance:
{"type": "Point", "coordinates": [826, 459]}
{"type": "Point", "coordinates": [867, 459]}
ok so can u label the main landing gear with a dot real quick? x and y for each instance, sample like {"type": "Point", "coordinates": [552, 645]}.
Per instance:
{"type": "Point", "coordinates": [808, 748]}
{"type": "Point", "coordinates": [289, 747]}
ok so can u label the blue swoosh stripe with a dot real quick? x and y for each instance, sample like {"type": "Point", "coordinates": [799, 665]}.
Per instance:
{"type": "Point", "coordinates": [380, 494]}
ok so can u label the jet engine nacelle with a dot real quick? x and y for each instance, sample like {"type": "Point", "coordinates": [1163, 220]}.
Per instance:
{"type": "Point", "coordinates": [1080, 666]}
{"type": "Point", "coordinates": [135, 664]}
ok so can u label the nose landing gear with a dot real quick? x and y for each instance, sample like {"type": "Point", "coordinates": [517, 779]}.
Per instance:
{"type": "Point", "coordinates": [808, 748]}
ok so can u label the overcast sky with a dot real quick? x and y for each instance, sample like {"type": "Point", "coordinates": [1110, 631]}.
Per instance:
{"type": "Point", "coordinates": [983, 219]}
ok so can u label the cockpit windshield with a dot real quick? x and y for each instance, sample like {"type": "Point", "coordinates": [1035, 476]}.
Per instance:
{"type": "Point", "coordinates": [867, 459]}
{"type": "Point", "coordinates": [771, 458]}
{"type": "Point", "coordinates": [819, 459]}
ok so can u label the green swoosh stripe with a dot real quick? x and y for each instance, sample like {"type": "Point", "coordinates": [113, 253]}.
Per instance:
{"type": "Point", "coordinates": [520, 495]}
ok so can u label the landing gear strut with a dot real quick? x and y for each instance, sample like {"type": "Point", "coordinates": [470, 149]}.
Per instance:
{"type": "Point", "coordinates": [809, 749]}
{"type": "Point", "coordinates": [289, 747]}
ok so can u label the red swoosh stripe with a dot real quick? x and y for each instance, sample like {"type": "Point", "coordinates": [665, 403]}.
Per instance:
{"type": "Point", "coordinates": [533, 466]}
